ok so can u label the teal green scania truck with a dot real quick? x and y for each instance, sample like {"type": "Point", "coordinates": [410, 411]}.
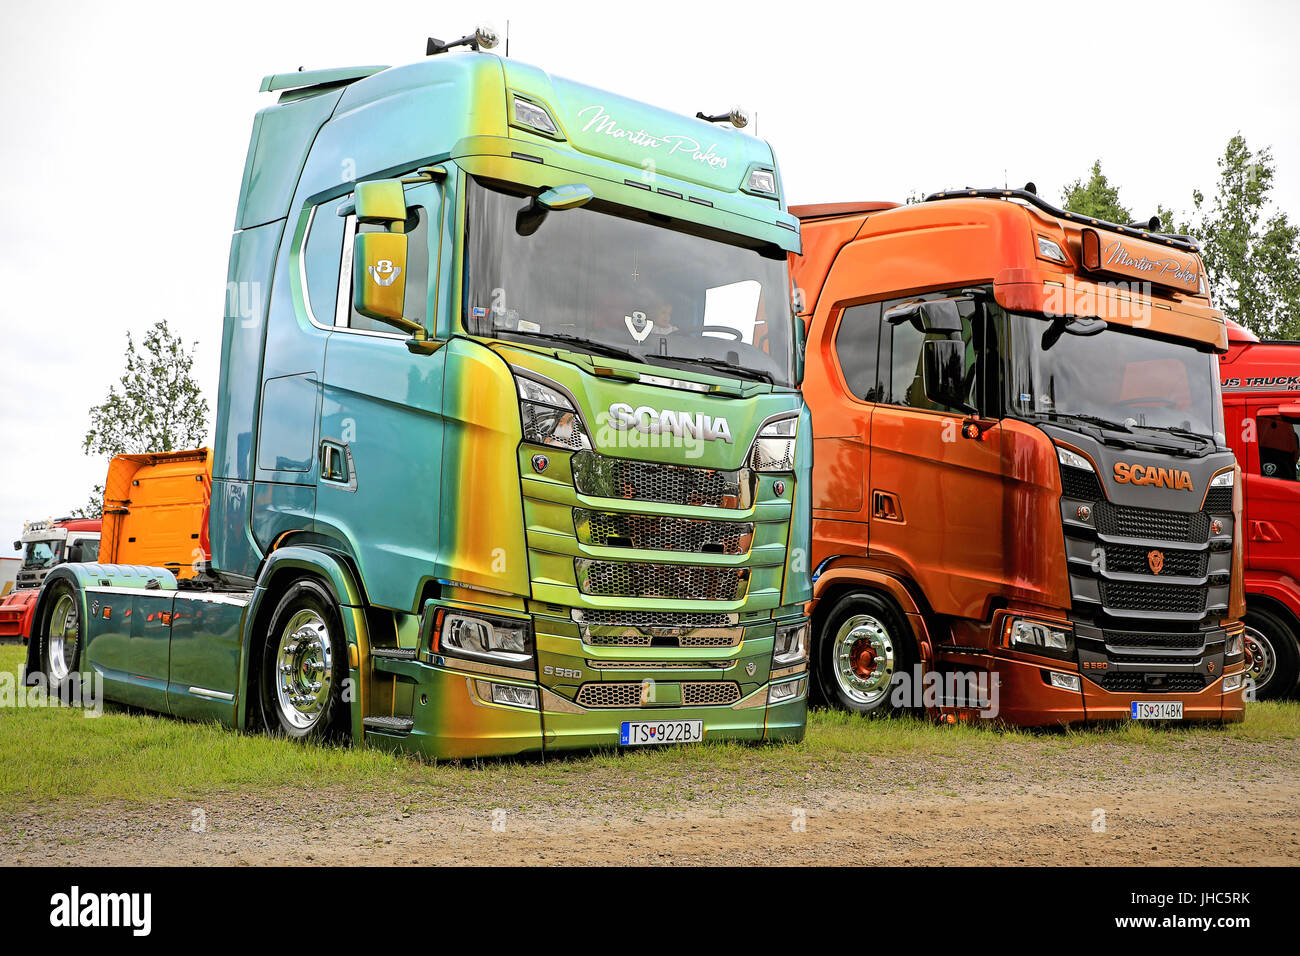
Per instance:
{"type": "Point", "coordinates": [510, 454]}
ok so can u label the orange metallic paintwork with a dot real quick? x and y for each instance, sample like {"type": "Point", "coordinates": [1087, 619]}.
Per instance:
{"type": "Point", "coordinates": [979, 534]}
{"type": "Point", "coordinates": [156, 510]}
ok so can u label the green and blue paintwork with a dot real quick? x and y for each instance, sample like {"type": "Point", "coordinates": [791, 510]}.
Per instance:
{"type": "Point", "coordinates": [441, 508]}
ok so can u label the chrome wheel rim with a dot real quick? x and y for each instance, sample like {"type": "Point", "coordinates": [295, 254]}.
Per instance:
{"type": "Point", "coordinates": [1261, 660]}
{"type": "Point", "coordinates": [62, 643]}
{"type": "Point", "coordinates": [304, 671]}
{"type": "Point", "coordinates": [864, 659]}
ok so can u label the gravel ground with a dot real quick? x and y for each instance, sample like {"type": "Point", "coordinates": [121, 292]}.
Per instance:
{"type": "Point", "coordinates": [1028, 801]}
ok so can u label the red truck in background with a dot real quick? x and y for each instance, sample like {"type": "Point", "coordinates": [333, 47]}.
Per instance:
{"type": "Point", "coordinates": [1261, 406]}
{"type": "Point", "coordinates": [44, 545]}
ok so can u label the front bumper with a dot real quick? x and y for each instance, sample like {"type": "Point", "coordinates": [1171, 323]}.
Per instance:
{"type": "Point", "coordinates": [449, 700]}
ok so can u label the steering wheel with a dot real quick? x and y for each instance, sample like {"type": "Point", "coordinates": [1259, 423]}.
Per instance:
{"type": "Point", "coordinates": [733, 334]}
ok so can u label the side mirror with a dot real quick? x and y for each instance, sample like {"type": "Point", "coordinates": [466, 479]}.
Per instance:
{"type": "Point", "coordinates": [944, 373]}
{"type": "Point", "coordinates": [937, 315]}
{"type": "Point", "coordinates": [379, 258]}
{"type": "Point", "coordinates": [18, 545]}
{"type": "Point", "coordinates": [529, 219]}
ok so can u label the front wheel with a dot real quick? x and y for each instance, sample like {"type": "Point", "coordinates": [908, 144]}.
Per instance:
{"type": "Point", "coordinates": [60, 630]}
{"type": "Point", "coordinates": [863, 643]}
{"type": "Point", "coordinates": [304, 666]}
{"type": "Point", "coordinates": [1272, 655]}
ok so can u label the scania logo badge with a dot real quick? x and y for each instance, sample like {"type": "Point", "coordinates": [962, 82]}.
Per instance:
{"type": "Point", "coordinates": [750, 668]}
{"type": "Point", "coordinates": [779, 488]}
{"type": "Point", "coordinates": [1156, 561]}
{"type": "Point", "coordinates": [540, 463]}
{"type": "Point", "coordinates": [1171, 478]}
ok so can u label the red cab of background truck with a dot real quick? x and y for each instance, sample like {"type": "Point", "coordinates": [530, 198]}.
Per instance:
{"type": "Point", "coordinates": [1261, 406]}
{"type": "Point", "coordinates": [44, 545]}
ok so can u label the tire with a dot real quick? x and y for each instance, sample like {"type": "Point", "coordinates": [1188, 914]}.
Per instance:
{"type": "Point", "coordinates": [304, 666]}
{"type": "Point", "coordinates": [1273, 655]}
{"type": "Point", "coordinates": [863, 642]}
{"type": "Point", "coordinates": [61, 635]}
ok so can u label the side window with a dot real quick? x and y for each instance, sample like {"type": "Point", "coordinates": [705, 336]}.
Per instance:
{"type": "Point", "coordinates": [417, 273]}
{"type": "Point", "coordinates": [320, 261]}
{"type": "Point", "coordinates": [89, 549]}
{"type": "Point", "coordinates": [1279, 447]}
{"type": "Point", "coordinates": [857, 347]}
{"type": "Point", "coordinates": [902, 356]}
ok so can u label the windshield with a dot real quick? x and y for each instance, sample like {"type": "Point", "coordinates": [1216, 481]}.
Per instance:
{"type": "Point", "coordinates": [600, 281]}
{"type": "Point", "coordinates": [1117, 375]}
{"type": "Point", "coordinates": [41, 555]}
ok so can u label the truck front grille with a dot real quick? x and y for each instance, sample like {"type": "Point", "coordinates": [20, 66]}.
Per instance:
{"type": "Point", "coordinates": [671, 581]}
{"type": "Point", "coordinates": [658, 533]}
{"type": "Point", "coordinates": [605, 477]}
{"type": "Point", "coordinates": [1167, 598]}
{"type": "Point", "coordinates": [1219, 501]}
{"type": "Point", "coordinates": [1173, 640]}
{"type": "Point", "coordinates": [1131, 559]}
{"type": "Point", "coordinates": [1077, 483]}
{"type": "Point", "coordinates": [1133, 682]}
{"type": "Point", "coordinates": [623, 694]}
{"type": "Point", "coordinates": [1120, 521]}
{"type": "Point", "coordinates": [717, 693]}
{"type": "Point", "coordinates": [678, 619]}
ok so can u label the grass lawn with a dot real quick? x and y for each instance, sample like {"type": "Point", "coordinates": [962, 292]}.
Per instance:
{"type": "Point", "coordinates": [53, 754]}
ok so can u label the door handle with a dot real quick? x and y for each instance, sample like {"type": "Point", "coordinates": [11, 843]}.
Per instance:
{"type": "Point", "coordinates": [336, 465]}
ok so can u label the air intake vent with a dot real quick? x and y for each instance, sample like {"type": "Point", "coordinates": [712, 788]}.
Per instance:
{"type": "Point", "coordinates": [674, 582]}
{"type": "Point", "coordinates": [605, 477]}
{"type": "Point", "coordinates": [655, 533]}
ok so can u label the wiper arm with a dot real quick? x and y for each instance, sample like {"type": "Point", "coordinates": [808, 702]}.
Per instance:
{"type": "Point", "coordinates": [587, 345]}
{"type": "Point", "coordinates": [720, 366]}
{"type": "Point", "coordinates": [1092, 420]}
{"type": "Point", "coordinates": [1183, 432]}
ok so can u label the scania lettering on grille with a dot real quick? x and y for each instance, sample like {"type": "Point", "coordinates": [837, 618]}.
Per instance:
{"type": "Point", "coordinates": [1171, 478]}
{"type": "Point", "coordinates": [653, 421]}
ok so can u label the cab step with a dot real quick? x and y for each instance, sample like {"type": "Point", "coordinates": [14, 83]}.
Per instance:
{"type": "Point", "coordinates": [389, 725]}
{"type": "Point", "coordinates": [394, 653]}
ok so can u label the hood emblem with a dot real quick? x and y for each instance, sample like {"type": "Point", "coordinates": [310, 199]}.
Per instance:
{"type": "Point", "coordinates": [750, 668]}
{"type": "Point", "coordinates": [1156, 561]}
{"type": "Point", "coordinates": [639, 324]}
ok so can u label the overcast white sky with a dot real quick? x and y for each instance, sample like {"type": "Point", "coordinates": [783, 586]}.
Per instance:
{"type": "Point", "coordinates": [123, 129]}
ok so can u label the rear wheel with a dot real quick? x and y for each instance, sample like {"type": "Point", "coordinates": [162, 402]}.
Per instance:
{"type": "Point", "coordinates": [61, 635]}
{"type": "Point", "coordinates": [304, 666]}
{"type": "Point", "coordinates": [1272, 655]}
{"type": "Point", "coordinates": [863, 643]}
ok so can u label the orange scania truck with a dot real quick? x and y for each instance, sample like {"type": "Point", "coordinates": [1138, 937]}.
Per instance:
{"type": "Point", "coordinates": [1024, 506]}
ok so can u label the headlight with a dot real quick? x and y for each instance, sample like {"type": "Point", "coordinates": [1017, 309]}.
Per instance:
{"type": "Point", "coordinates": [534, 117]}
{"type": "Point", "coordinates": [495, 639]}
{"type": "Point", "coordinates": [548, 416]}
{"type": "Point", "coordinates": [774, 447]}
{"type": "Point", "coordinates": [1067, 457]}
{"type": "Point", "coordinates": [1232, 683]}
{"type": "Point", "coordinates": [791, 645]}
{"type": "Point", "coordinates": [1039, 636]}
{"type": "Point", "coordinates": [1234, 646]}
{"type": "Point", "coordinates": [1225, 480]}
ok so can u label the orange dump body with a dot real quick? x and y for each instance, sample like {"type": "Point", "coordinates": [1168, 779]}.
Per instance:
{"type": "Point", "coordinates": [960, 518]}
{"type": "Point", "coordinates": [156, 510]}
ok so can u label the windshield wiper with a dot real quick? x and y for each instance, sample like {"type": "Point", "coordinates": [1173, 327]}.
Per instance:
{"type": "Point", "coordinates": [719, 365]}
{"type": "Point", "coordinates": [1182, 432]}
{"type": "Point", "coordinates": [1091, 420]}
{"type": "Point", "coordinates": [586, 345]}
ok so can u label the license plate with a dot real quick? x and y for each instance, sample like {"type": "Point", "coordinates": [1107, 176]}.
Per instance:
{"type": "Point", "coordinates": [1156, 710]}
{"type": "Point", "coordinates": [636, 732]}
